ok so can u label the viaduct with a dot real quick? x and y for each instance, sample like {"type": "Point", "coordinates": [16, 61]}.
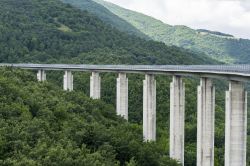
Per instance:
{"type": "Point", "coordinates": [235, 109]}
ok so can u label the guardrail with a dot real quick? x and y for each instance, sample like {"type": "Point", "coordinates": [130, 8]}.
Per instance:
{"type": "Point", "coordinates": [232, 72]}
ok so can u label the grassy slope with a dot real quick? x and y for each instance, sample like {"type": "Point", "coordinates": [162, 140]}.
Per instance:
{"type": "Point", "coordinates": [218, 46]}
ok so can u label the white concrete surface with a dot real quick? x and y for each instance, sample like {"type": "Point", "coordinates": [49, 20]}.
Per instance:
{"type": "Point", "coordinates": [205, 122]}
{"type": "Point", "coordinates": [122, 96]}
{"type": "Point", "coordinates": [95, 86]}
{"type": "Point", "coordinates": [41, 76]}
{"type": "Point", "coordinates": [68, 81]}
{"type": "Point", "coordinates": [236, 125]}
{"type": "Point", "coordinates": [149, 108]}
{"type": "Point", "coordinates": [177, 119]}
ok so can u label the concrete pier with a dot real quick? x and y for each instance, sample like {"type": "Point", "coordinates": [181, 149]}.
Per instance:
{"type": "Point", "coordinates": [68, 81]}
{"type": "Point", "coordinates": [149, 108]}
{"type": "Point", "coordinates": [41, 75]}
{"type": "Point", "coordinates": [177, 119]}
{"type": "Point", "coordinates": [236, 125]}
{"type": "Point", "coordinates": [205, 122]}
{"type": "Point", "coordinates": [95, 86]}
{"type": "Point", "coordinates": [122, 96]}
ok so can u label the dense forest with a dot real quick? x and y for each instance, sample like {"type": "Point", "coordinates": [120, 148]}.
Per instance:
{"type": "Point", "coordinates": [42, 125]}
{"type": "Point", "coordinates": [220, 46]}
{"type": "Point", "coordinates": [50, 31]}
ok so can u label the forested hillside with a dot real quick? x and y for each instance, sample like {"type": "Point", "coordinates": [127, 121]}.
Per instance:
{"type": "Point", "coordinates": [223, 48]}
{"type": "Point", "coordinates": [50, 31]}
{"type": "Point", "coordinates": [42, 125]}
{"type": "Point", "coordinates": [107, 16]}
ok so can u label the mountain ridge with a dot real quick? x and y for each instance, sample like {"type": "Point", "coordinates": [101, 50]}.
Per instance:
{"type": "Point", "coordinates": [105, 15]}
{"type": "Point", "coordinates": [225, 49]}
{"type": "Point", "coordinates": [61, 33]}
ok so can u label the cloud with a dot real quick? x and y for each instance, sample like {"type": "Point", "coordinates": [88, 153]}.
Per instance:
{"type": "Point", "coordinates": [228, 16]}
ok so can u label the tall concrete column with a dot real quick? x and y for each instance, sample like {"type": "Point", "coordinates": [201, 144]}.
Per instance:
{"type": "Point", "coordinates": [236, 125]}
{"type": "Point", "coordinates": [68, 81]}
{"type": "Point", "coordinates": [205, 123]}
{"type": "Point", "coordinates": [177, 119]}
{"type": "Point", "coordinates": [41, 76]}
{"type": "Point", "coordinates": [122, 95]}
{"type": "Point", "coordinates": [149, 108]}
{"type": "Point", "coordinates": [95, 86]}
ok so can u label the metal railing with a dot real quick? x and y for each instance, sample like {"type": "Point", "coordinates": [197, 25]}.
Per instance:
{"type": "Point", "coordinates": [225, 70]}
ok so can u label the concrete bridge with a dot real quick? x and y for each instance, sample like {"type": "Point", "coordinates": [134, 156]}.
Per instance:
{"type": "Point", "coordinates": [236, 103]}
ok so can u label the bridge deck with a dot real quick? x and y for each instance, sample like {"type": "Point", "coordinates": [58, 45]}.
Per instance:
{"type": "Point", "coordinates": [232, 72]}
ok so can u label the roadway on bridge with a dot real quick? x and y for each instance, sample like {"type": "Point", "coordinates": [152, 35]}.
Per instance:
{"type": "Point", "coordinates": [231, 72]}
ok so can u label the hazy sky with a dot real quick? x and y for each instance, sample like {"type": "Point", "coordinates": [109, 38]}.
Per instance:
{"type": "Point", "coordinates": [228, 16]}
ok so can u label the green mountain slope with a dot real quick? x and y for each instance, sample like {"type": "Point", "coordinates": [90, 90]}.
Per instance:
{"type": "Point", "coordinates": [69, 127]}
{"type": "Point", "coordinates": [107, 16]}
{"type": "Point", "coordinates": [221, 47]}
{"type": "Point", "coordinates": [50, 31]}
{"type": "Point", "coordinates": [41, 125]}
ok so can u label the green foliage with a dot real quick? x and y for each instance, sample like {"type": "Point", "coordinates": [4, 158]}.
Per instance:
{"type": "Point", "coordinates": [91, 123]}
{"type": "Point", "coordinates": [217, 45]}
{"type": "Point", "coordinates": [105, 15]}
{"type": "Point", "coordinates": [81, 84]}
{"type": "Point", "coordinates": [42, 125]}
{"type": "Point", "coordinates": [52, 32]}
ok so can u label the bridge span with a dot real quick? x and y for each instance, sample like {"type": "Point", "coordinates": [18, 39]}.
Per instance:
{"type": "Point", "coordinates": [230, 72]}
{"type": "Point", "coordinates": [235, 109]}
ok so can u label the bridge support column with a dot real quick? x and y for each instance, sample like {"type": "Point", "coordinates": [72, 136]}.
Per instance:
{"type": "Point", "coordinates": [122, 96]}
{"type": "Point", "coordinates": [177, 119]}
{"type": "Point", "coordinates": [205, 122]}
{"type": "Point", "coordinates": [236, 125]}
{"type": "Point", "coordinates": [149, 108]}
{"type": "Point", "coordinates": [68, 81]}
{"type": "Point", "coordinates": [95, 86]}
{"type": "Point", "coordinates": [41, 76]}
